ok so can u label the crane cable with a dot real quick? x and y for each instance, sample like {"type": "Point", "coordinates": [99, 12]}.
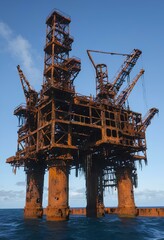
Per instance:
{"type": "Point", "coordinates": [144, 87]}
{"type": "Point", "coordinates": [128, 82]}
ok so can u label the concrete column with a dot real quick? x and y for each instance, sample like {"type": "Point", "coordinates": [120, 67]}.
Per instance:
{"type": "Point", "coordinates": [34, 193]}
{"type": "Point", "coordinates": [58, 209]}
{"type": "Point", "coordinates": [95, 206]}
{"type": "Point", "coordinates": [126, 204]}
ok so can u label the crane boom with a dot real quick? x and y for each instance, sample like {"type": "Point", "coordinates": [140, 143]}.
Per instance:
{"type": "Point", "coordinates": [125, 93]}
{"type": "Point", "coordinates": [103, 52]}
{"type": "Point", "coordinates": [91, 59]}
{"type": "Point", "coordinates": [30, 94]}
{"type": "Point", "coordinates": [103, 87]}
{"type": "Point", "coordinates": [102, 83]}
{"type": "Point", "coordinates": [125, 70]}
{"type": "Point", "coordinates": [147, 119]}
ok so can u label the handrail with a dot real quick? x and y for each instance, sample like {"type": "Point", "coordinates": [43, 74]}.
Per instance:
{"type": "Point", "coordinates": [23, 105]}
{"type": "Point", "coordinates": [55, 10]}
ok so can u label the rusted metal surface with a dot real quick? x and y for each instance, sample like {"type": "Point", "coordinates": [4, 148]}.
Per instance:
{"type": "Point", "coordinates": [94, 190]}
{"type": "Point", "coordinates": [60, 129]}
{"type": "Point", "coordinates": [142, 212]}
{"type": "Point", "coordinates": [126, 204]}
{"type": "Point", "coordinates": [34, 192]}
{"type": "Point", "coordinates": [58, 208]}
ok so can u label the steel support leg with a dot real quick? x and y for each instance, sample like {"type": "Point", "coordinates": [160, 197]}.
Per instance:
{"type": "Point", "coordinates": [95, 206]}
{"type": "Point", "coordinates": [58, 209]}
{"type": "Point", "coordinates": [126, 204]}
{"type": "Point", "coordinates": [100, 198]}
{"type": "Point", "coordinates": [34, 193]}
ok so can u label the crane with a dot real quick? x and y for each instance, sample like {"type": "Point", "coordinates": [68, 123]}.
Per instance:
{"type": "Point", "coordinates": [101, 75]}
{"type": "Point", "coordinates": [103, 86]}
{"type": "Point", "coordinates": [120, 100]}
{"type": "Point", "coordinates": [147, 119]}
{"type": "Point", "coordinates": [125, 70]}
{"type": "Point", "coordinates": [30, 94]}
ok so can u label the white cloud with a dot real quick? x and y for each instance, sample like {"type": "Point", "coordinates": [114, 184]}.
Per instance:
{"type": "Point", "coordinates": [5, 31]}
{"type": "Point", "coordinates": [77, 194]}
{"type": "Point", "coordinates": [149, 197]}
{"type": "Point", "coordinates": [143, 198]}
{"type": "Point", "coordinates": [11, 195]}
{"type": "Point", "coordinates": [20, 48]}
{"type": "Point", "coordinates": [77, 197]}
{"type": "Point", "coordinates": [21, 184]}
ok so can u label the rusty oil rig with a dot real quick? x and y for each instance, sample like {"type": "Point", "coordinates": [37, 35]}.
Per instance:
{"type": "Point", "coordinates": [60, 130]}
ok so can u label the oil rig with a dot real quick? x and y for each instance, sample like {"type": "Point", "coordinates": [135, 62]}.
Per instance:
{"type": "Point", "coordinates": [60, 129]}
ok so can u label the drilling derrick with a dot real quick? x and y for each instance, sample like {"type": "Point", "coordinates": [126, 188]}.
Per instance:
{"type": "Point", "coordinates": [59, 69]}
{"type": "Point", "coordinates": [59, 73]}
{"type": "Point", "coordinates": [60, 129]}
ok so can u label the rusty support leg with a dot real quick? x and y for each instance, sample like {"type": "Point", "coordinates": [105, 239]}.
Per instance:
{"type": "Point", "coordinates": [58, 209]}
{"type": "Point", "coordinates": [91, 186]}
{"type": "Point", "coordinates": [100, 198]}
{"type": "Point", "coordinates": [126, 204]}
{"type": "Point", "coordinates": [95, 206]}
{"type": "Point", "coordinates": [34, 193]}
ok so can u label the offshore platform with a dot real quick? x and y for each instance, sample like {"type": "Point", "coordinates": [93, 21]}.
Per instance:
{"type": "Point", "coordinates": [60, 130]}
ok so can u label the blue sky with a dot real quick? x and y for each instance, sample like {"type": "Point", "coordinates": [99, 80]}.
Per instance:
{"type": "Point", "coordinates": [108, 25]}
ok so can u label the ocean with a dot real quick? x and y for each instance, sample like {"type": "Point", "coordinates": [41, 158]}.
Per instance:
{"type": "Point", "coordinates": [110, 227]}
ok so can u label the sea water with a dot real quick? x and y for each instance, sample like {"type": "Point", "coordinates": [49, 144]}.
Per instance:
{"type": "Point", "coordinates": [14, 226]}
